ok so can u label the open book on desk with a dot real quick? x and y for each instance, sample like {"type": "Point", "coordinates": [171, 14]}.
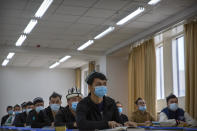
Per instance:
{"type": "Point", "coordinates": [124, 128]}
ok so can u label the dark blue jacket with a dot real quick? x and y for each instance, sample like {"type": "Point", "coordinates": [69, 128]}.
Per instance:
{"type": "Point", "coordinates": [177, 115]}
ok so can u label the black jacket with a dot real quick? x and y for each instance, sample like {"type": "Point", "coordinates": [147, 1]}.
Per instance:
{"type": "Point", "coordinates": [123, 118]}
{"type": "Point", "coordinates": [65, 117]}
{"type": "Point", "coordinates": [3, 119]}
{"type": "Point", "coordinates": [20, 119]}
{"type": "Point", "coordinates": [89, 117]}
{"type": "Point", "coordinates": [49, 113]}
{"type": "Point", "coordinates": [37, 120]}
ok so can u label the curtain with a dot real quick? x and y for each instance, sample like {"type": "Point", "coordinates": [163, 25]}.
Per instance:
{"type": "Point", "coordinates": [142, 76]}
{"type": "Point", "coordinates": [78, 78]}
{"type": "Point", "coordinates": [91, 66]}
{"type": "Point", "coordinates": [191, 68]}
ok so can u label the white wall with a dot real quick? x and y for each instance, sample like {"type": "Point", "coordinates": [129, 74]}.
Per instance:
{"type": "Point", "coordinates": [24, 84]}
{"type": "Point", "coordinates": [101, 62]}
{"type": "Point", "coordinates": [117, 74]}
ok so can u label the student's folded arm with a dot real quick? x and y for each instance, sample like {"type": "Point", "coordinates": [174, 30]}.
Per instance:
{"type": "Point", "coordinates": [163, 119]}
{"type": "Point", "coordinates": [189, 120]}
{"type": "Point", "coordinates": [59, 119]}
{"type": "Point", "coordinates": [70, 125]}
{"type": "Point", "coordinates": [17, 122]}
{"type": "Point", "coordinates": [84, 124]}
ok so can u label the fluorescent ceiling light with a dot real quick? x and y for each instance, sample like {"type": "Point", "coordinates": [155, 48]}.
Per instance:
{"type": "Point", "coordinates": [42, 9]}
{"type": "Point", "coordinates": [30, 26]}
{"type": "Point", "coordinates": [85, 45]}
{"type": "Point", "coordinates": [5, 62]}
{"type": "Point", "coordinates": [54, 65]}
{"type": "Point", "coordinates": [20, 40]}
{"type": "Point", "coordinates": [107, 31]}
{"type": "Point", "coordinates": [64, 58]}
{"type": "Point", "coordinates": [10, 55]}
{"type": "Point", "coordinates": [130, 16]}
{"type": "Point", "coordinates": [153, 2]}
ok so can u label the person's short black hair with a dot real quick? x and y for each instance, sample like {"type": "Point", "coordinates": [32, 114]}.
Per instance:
{"type": "Point", "coordinates": [139, 98]}
{"type": "Point", "coordinates": [17, 105]}
{"type": "Point", "coordinates": [9, 107]}
{"type": "Point", "coordinates": [29, 103]}
{"type": "Point", "coordinates": [54, 95]}
{"type": "Point", "coordinates": [170, 97]}
{"type": "Point", "coordinates": [118, 102]}
{"type": "Point", "coordinates": [94, 75]}
{"type": "Point", "coordinates": [38, 100]}
{"type": "Point", "coordinates": [23, 105]}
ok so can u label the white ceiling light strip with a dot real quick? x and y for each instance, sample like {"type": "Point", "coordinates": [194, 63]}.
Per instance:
{"type": "Point", "coordinates": [5, 62]}
{"type": "Point", "coordinates": [43, 8]}
{"type": "Point", "coordinates": [85, 45]}
{"type": "Point", "coordinates": [30, 26]}
{"type": "Point", "coordinates": [10, 55]}
{"type": "Point", "coordinates": [107, 31]}
{"type": "Point", "coordinates": [60, 61]}
{"type": "Point", "coordinates": [21, 40]}
{"type": "Point", "coordinates": [153, 2]}
{"type": "Point", "coordinates": [64, 58]}
{"type": "Point", "coordinates": [130, 16]}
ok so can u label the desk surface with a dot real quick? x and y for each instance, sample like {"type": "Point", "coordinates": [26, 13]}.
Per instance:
{"type": "Point", "coordinates": [131, 129]}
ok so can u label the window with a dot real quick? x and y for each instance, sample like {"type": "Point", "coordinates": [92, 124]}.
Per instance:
{"type": "Point", "coordinates": [178, 66]}
{"type": "Point", "coordinates": [84, 85]}
{"type": "Point", "coordinates": [160, 74]}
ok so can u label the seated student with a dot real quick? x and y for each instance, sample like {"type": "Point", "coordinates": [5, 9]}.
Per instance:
{"type": "Point", "coordinates": [20, 119]}
{"type": "Point", "coordinates": [23, 106]}
{"type": "Point", "coordinates": [123, 117]}
{"type": "Point", "coordinates": [141, 116]}
{"type": "Point", "coordinates": [11, 118]}
{"type": "Point", "coordinates": [66, 116]}
{"type": "Point", "coordinates": [97, 111]}
{"type": "Point", "coordinates": [54, 107]}
{"type": "Point", "coordinates": [4, 118]}
{"type": "Point", "coordinates": [172, 115]}
{"type": "Point", "coordinates": [37, 118]}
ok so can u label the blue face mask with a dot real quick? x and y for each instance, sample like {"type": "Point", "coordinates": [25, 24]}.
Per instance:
{"type": "Point", "coordinates": [55, 107]}
{"type": "Point", "coordinates": [17, 112]}
{"type": "Point", "coordinates": [39, 108]}
{"type": "Point", "coordinates": [74, 106]}
{"type": "Point", "coordinates": [10, 112]}
{"type": "Point", "coordinates": [28, 110]}
{"type": "Point", "coordinates": [24, 110]}
{"type": "Point", "coordinates": [142, 108]}
{"type": "Point", "coordinates": [173, 106]}
{"type": "Point", "coordinates": [120, 109]}
{"type": "Point", "coordinates": [100, 91]}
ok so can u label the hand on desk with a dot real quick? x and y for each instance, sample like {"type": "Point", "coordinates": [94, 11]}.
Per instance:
{"type": "Point", "coordinates": [148, 123]}
{"type": "Point", "coordinates": [113, 124]}
{"type": "Point", "coordinates": [129, 123]}
{"type": "Point", "coordinates": [183, 124]}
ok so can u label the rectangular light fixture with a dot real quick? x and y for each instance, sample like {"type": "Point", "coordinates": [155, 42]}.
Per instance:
{"type": "Point", "coordinates": [10, 55]}
{"type": "Point", "coordinates": [20, 40]}
{"type": "Point", "coordinates": [85, 45]}
{"type": "Point", "coordinates": [30, 26]}
{"type": "Point", "coordinates": [153, 2]}
{"type": "Point", "coordinates": [64, 58]}
{"type": "Point", "coordinates": [107, 31]}
{"type": "Point", "coordinates": [54, 65]}
{"type": "Point", "coordinates": [130, 16]}
{"type": "Point", "coordinates": [43, 7]}
{"type": "Point", "coordinates": [5, 62]}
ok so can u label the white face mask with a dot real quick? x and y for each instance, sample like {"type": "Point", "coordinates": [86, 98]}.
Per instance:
{"type": "Point", "coordinates": [173, 106]}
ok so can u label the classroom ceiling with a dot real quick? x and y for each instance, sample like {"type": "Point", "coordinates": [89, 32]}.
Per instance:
{"type": "Point", "coordinates": [67, 24]}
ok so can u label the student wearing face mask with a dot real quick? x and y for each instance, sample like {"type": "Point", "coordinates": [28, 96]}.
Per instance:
{"type": "Point", "coordinates": [4, 118]}
{"type": "Point", "coordinates": [141, 116]}
{"type": "Point", "coordinates": [37, 118]}
{"type": "Point", "coordinates": [23, 106]}
{"type": "Point", "coordinates": [97, 111]}
{"type": "Point", "coordinates": [172, 115]}
{"type": "Point", "coordinates": [20, 119]}
{"type": "Point", "coordinates": [123, 117]}
{"type": "Point", "coordinates": [54, 107]}
{"type": "Point", "coordinates": [66, 116]}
